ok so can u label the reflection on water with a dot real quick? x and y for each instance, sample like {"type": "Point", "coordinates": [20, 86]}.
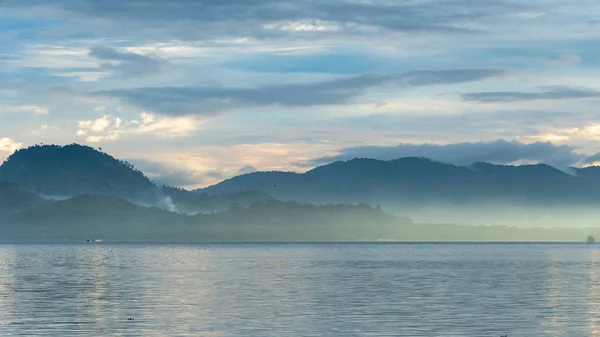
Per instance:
{"type": "Point", "coordinates": [300, 290]}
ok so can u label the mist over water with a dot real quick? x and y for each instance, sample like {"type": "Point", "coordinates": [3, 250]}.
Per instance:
{"type": "Point", "coordinates": [300, 290]}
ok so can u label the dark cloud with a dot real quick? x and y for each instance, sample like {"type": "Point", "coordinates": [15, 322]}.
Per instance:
{"type": "Point", "coordinates": [550, 93]}
{"type": "Point", "coordinates": [126, 63]}
{"type": "Point", "coordinates": [496, 152]}
{"type": "Point", "coordinates": [212, 100]}
{"type": "Point", "coordinates": [231, 17]}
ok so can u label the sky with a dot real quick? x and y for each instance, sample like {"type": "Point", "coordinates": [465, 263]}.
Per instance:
{"type": "Point", "coordinates": [196, 91]}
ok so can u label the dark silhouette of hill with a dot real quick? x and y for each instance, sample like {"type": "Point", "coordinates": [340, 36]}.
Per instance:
{"type": "Point", "coordinates": [76, 170]}
{"type": "Point", "coordinates": [188, 202]}
{"type": "Point", "coordinates": [112, 218]}
{"type": "Point", "coordinates": [424, 190]}
{"type": "Point", "coordinates": [419, 181]}
{"type": "Point", "coordinates": [15, 199]}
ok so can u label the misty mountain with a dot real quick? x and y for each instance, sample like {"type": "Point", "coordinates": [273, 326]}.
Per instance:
{"type": "Point", "coordinates": [15, 199]}
{"type": "Point", "coordinates": [59, 172]}
{"type": "Point", "coordinates": [184, 201]}
{"type": "Point", "coordinates": [411, 182]}
{"type": "Point", "coordinates": [112, 218]}
{"type": "Point", "coordinates": [72, 170]}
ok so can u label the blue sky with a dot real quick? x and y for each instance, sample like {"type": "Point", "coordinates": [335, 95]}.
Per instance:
{"type": "Point", "coordinates": [194, 92]}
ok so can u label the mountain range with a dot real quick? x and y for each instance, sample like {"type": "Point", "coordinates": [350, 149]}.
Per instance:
{"type": "Point", "coordinates": [72, 191]}
{"type": "Point", "coordinates": [418, 182]}
{"type": "Point", "coordinates": [60, 172]}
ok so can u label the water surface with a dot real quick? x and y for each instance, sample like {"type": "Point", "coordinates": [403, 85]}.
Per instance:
{"type": "Point", "coordinates": [300, 290]}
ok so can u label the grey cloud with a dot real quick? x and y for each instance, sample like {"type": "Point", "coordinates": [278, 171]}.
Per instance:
{"type": "Point", "coordinates": [229, 17]}
{"type": "Point", "coordinates": [212, 100]}
{"type": "Point", "coordinates": [498, 152]}
{"type": "Point", "coordinates": [126, 63]}
{"type": "Point", "coordinates": [551, 93]}
{"type": "Point", "coordinates": [592, 159]}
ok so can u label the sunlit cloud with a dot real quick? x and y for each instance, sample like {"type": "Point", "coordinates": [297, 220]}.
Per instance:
{"type": "Point", "coordinates": [111, 128]}
{"type": "Point", "coordinates": [8, 147]}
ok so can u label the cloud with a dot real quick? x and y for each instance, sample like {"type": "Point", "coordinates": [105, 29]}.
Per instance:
{"type": "Point", "coordinates": [172, 175]}
{"type": "Point", "coordinates": [105, 128]}
{"type": "Point", "coordinates": [126, 63]}
{"type": "Point", "coordinates": [45, 127]}
{"type": "Point", "coordinates": [550, 93]}
{"type": "Point", "coordinates": [567, 60]}
{"type": "Point", "coordinates": [32, 109]}
{"type": "Point", "coordinates": [96, 125]}
{"type": "Point", "coordinates": [185, 19]}
{"type": "Point", "coordinates": [167, 126]}
{"type": "Point", "coordinates": [8, 147]}
{"type": "Point", "coordinates": [246, 169]}
{"type": "Point", "coordinates": [110, 128]}
{"type": "Point", "coordinates": [209, 101]}
{"type": "Point", "coordinates": [496, 152]}
{"type": "Point", "coordinates": [595, 158]}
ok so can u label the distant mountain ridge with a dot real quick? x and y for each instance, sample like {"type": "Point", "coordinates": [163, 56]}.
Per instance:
{"type": "Point", "coordinates": [425, 190]}
{"type": "Point", "coordinates": [101, 195]}
{"type": "Point", "coordinates": [114, 219]}
{"type": "Point", "coordinates": [419, 181]}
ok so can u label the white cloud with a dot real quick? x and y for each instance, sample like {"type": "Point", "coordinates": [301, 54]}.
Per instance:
{"type": "Point", "coordinates": [110, 128]}
{"type": "Point", "coordinates": [587, 132]}
{"type": "Point", "coordinates": [303, 26]}
{"type": "Point", "coordinates": [550, 137]}
{"type": "Point", "coordinates": [97, 130]}
{"type": "Point", "coordinates": [96, 125]}
{"type": "Point", "coordinates": [168, 126]}
{"type": "Point", "coordinates": [45, 127]}
{"type": "Point", "coordinates": [94, 139]}
{"type": "Point", "coordinates": [97, 139]}
{"type": "Point", "coordinates": [100, 108]}
{"type": "Point", "coordinates": [147, 118]}
{"type": "Point", "coordinates": [33, 109]}
{"type": "Point", "coordinates": [8, 147]}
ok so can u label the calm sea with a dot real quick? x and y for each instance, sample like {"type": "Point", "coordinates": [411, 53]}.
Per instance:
{"type": "Point", "coordinates": [300, 290]}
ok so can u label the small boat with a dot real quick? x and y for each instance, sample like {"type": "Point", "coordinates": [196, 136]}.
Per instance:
{"type": "Point", "coordinates": [93, 240]}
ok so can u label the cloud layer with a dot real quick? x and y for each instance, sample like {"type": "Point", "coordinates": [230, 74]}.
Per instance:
{"type": "Point", "coordinates": [550, 93]}
{"type": "Point", "coordinates": [264, 18]}
{"type": "Point", "coordinates": [464, 154]}
{"type": "Point", "coordinates": [125, 63]}
{"type": "Point", "coordinates": [211, 100]}
{"type": "Point", "coordinates": [228, 86]}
